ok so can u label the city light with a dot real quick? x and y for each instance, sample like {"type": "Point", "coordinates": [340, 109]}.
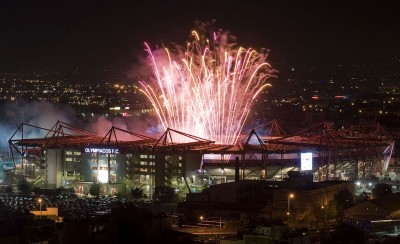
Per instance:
{"type": "Point", "coordinates": [40, 207]}
{"type": "Point", "coordinates": [290, 196]}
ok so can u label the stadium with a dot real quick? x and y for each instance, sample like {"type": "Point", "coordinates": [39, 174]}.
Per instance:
{"type": "Point", "coordinates": [71, 157]}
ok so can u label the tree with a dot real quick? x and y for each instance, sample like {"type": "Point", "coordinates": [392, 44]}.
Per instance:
{"type": "Point", "coordinates": [331, 210]}
{"type": "Point", "coordinates": [343, 199]}
{"type": "Point", "coordinates": [206, 187]}
{"type": "Point", "coordinates": [325, 213]}
{"type": "Point", "coordinates": [137, 192]}
{"type": "Point", "coordinates": [36, 190]}
{"type": "Point", "coordinates": [381, 189]}
{"type": "Point", "coordinates": [24, 186]}
{"type": "Point", "coordinates": [59, 190]}
{"type": "Point", "coordinates": [95, 189]}
{"type": "Point", "coordinates": [164, 194]}
{"type": "Point", "coordinates": [8, 189]}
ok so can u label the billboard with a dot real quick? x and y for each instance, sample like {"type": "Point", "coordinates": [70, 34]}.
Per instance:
{"type": "Point", "coordinates": [306, 161]}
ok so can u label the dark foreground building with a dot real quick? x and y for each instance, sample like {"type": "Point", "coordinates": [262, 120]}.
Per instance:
{"type": "Point", "coordinates": [264, 201]}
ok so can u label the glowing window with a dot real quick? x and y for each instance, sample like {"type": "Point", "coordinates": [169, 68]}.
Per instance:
{"type": "Point", "coordinates": [103, 176]}
{"type": "Point", "coordinates": [113, 177]}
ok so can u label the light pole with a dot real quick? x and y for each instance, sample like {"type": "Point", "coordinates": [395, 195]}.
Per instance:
{"type": "Point", "coordinates": [324, 209]}
{"type": "Point", "coordinates": [291, 195]}
{"type": "Point", "coordinates": [40, 207]}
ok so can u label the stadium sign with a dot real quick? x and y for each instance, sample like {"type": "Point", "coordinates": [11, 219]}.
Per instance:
{"type": "Point", "coordinates": [101, 150]}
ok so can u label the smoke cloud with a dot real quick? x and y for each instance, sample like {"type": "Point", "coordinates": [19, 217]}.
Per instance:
{"type": "Point", "coordinates": [143, 125]}
{"type": "Point", "coordinates": [39, 113]}
{"type": "Point", "coordinates": [45, 115]}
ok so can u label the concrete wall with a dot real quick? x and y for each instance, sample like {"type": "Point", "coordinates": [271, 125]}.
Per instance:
{"type": "Point", "coordinates": [160, 170]}
{"type": "Point", "coordinates": [54, 167]}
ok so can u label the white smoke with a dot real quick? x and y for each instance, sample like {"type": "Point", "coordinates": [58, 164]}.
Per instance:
{"type": "Point", "coordinates": [143, 125]}
{"type": "Point", "coordinates": [39, 113]}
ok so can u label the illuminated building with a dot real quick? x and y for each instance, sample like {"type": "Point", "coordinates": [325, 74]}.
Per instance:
{"type": "Point", "coordinates": [69, 156]}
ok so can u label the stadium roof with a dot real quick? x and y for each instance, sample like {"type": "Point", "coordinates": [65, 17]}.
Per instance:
{"type": "Point", "coordinates": [320, 137]}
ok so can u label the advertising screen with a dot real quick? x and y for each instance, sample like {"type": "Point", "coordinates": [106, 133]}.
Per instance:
{"type": "Point", "coordinates": [306, 161]}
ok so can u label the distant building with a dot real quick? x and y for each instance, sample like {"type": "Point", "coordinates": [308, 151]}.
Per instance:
{"type": "Point", "coordinates": [263, 200]}
{"type": "Point", "coordinates": [385, 207]}
{"type": "Point", "coordinates": [380, 216]}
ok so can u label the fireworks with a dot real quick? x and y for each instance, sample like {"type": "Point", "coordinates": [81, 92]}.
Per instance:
{"type": "Point", "coordinates": [206, 88]}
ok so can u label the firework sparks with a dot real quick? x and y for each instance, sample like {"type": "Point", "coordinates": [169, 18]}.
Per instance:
{"type": "Point", "coordinates": [207, 88]}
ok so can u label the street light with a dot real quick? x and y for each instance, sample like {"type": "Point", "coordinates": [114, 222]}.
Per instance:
{"type": "Point", "coordinates": [40, 207]}
{"type": "Point", "coordinates": [291, 195]}
{"type": "Point", "coordinates": [324, 209]}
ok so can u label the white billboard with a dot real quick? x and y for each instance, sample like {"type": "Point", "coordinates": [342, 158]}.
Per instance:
{"type": "Point", "coordinates": [306, 161]}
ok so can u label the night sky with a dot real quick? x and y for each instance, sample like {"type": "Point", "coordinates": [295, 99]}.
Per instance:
{"type": "Point", "coordinates": [62, 35]}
